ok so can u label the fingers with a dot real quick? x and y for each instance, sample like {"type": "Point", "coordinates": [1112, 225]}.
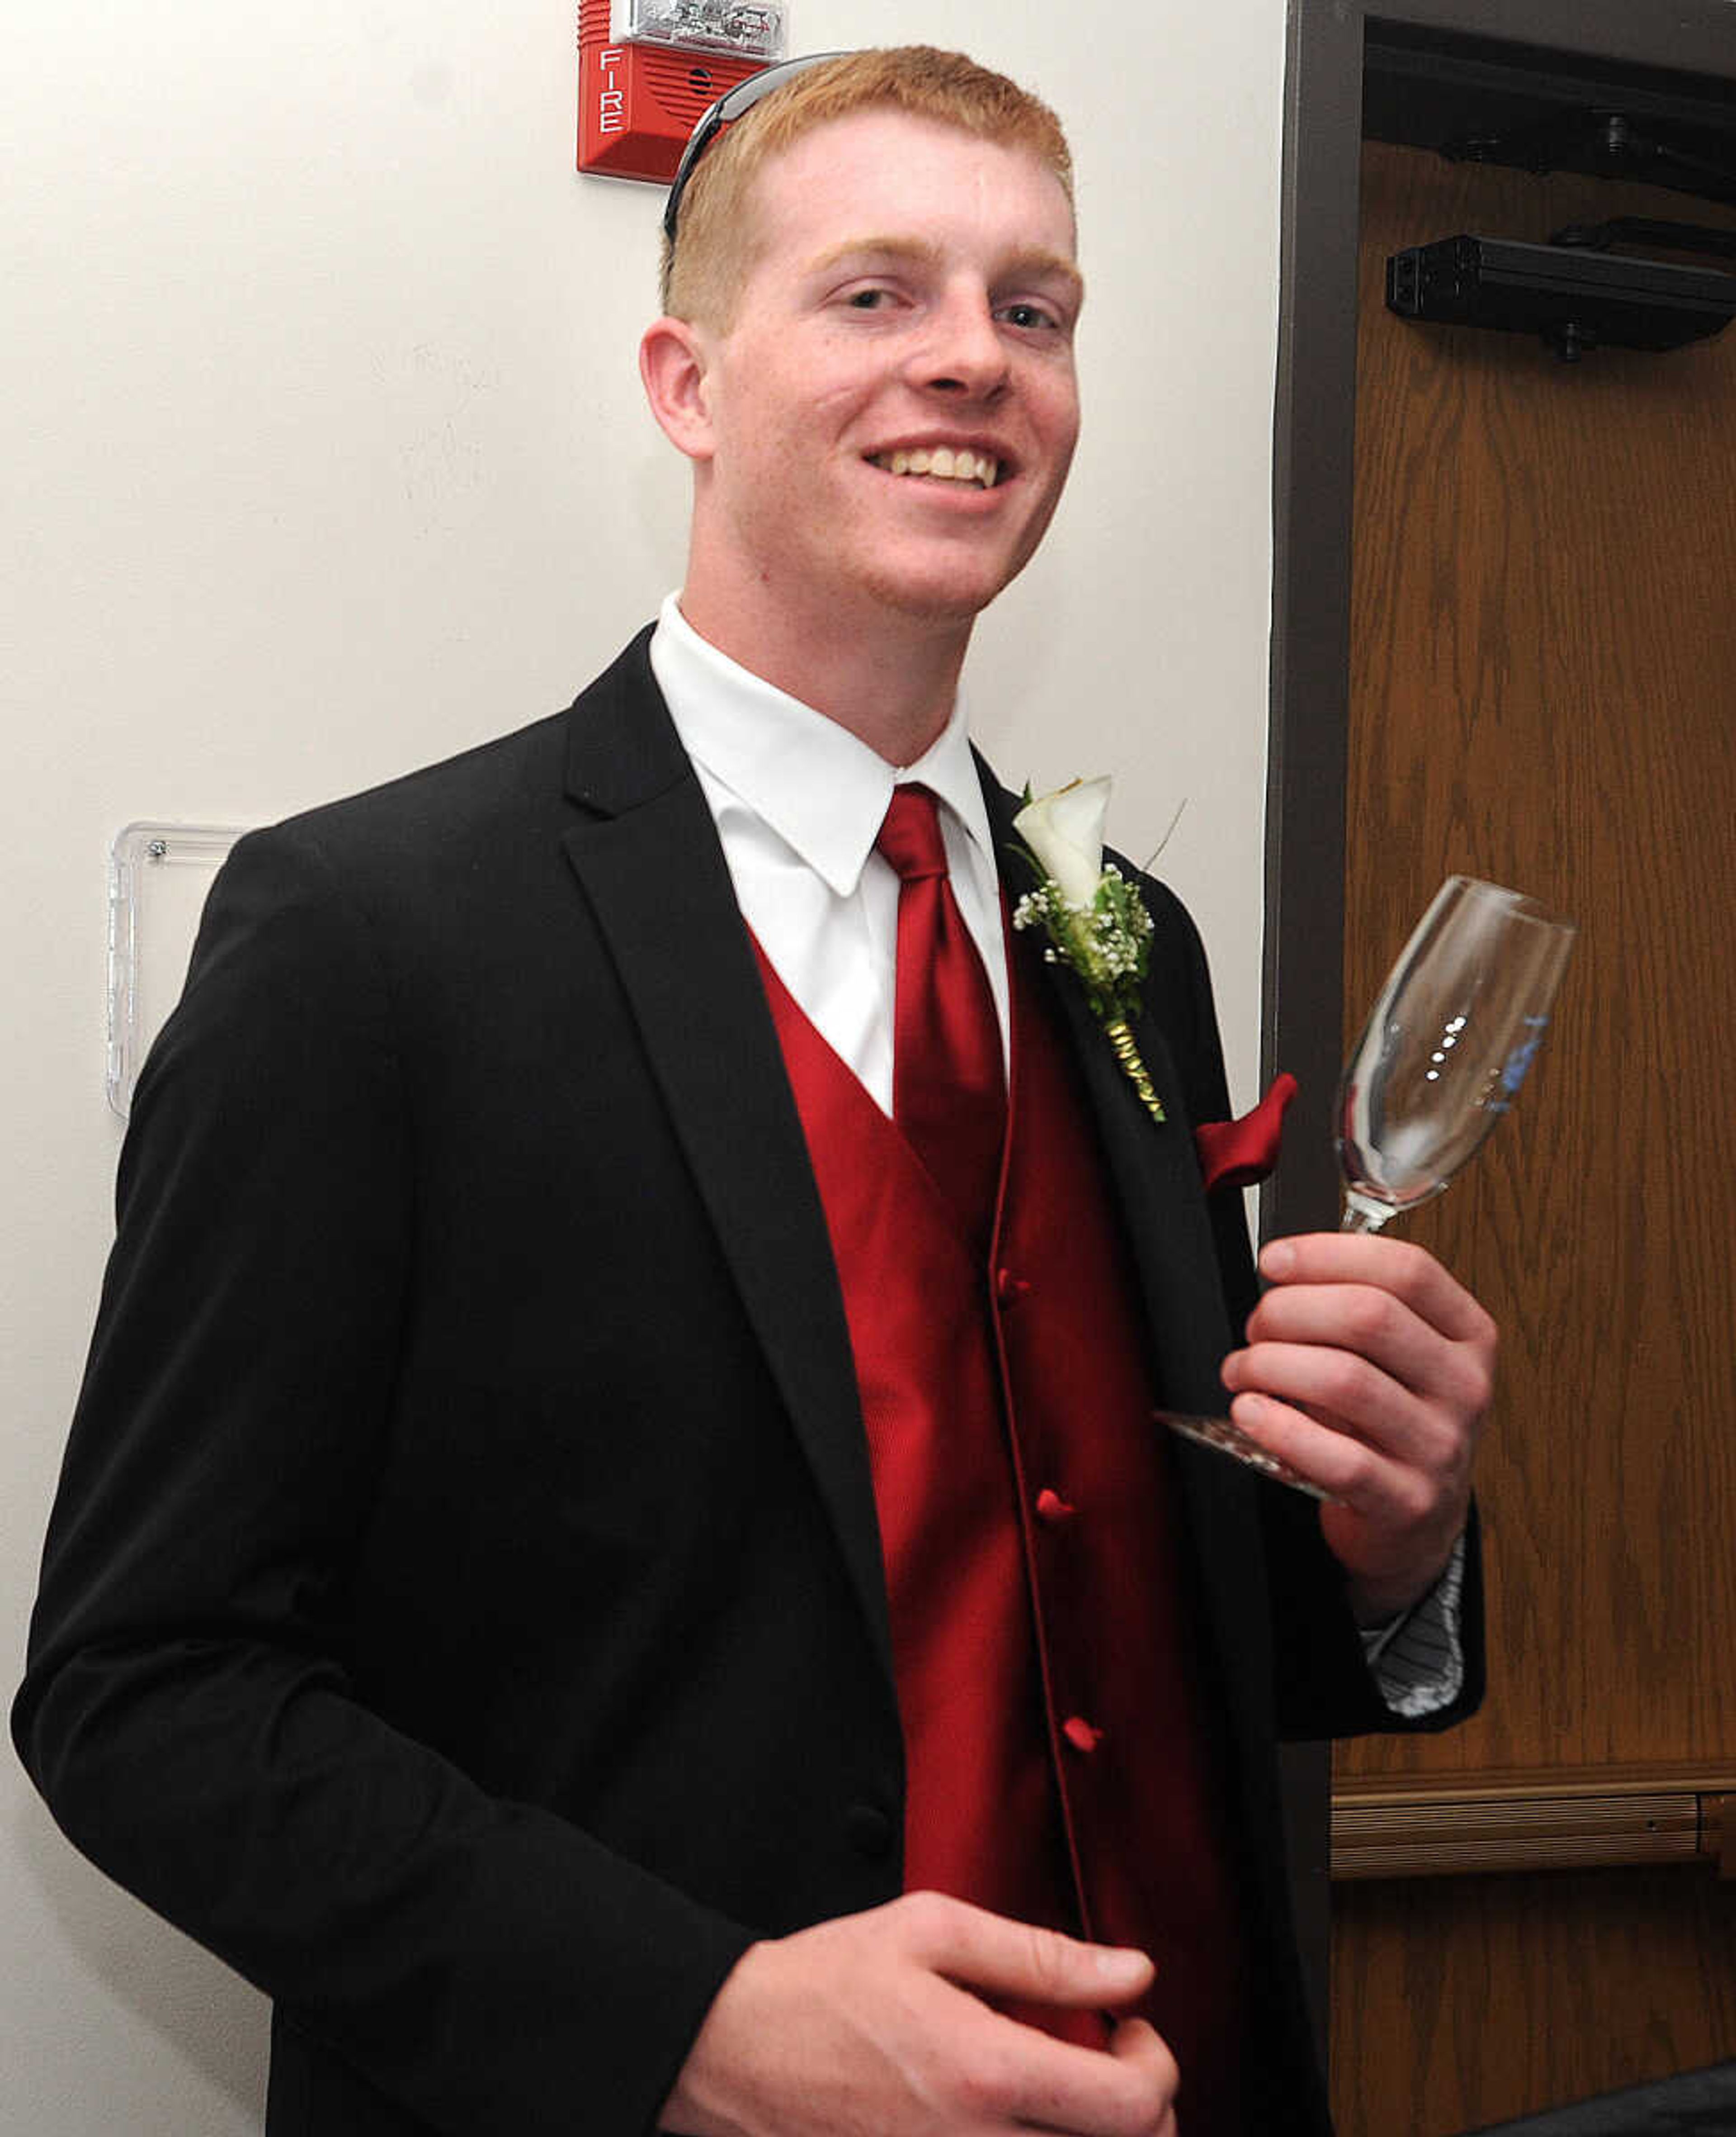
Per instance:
{"type": "Point", "coordinates": [1359, 1326]}
{"type": "Point", "coordinates": [1015, 2073]}
{"type": "Point", "coordinates": [1402, 1492]}
{"type": "Point", "coordinates": [1050, 2085]}
{"type": "Point", "coordinates": [1368, 1368]}
{"type": "Point", "coordinates": [1002, 1958]}
{"type": "Point", "coordinates": [1421, 1423]}
{"type": "Point", "coordinates": [1377, 1336]}
{"type": "Point", "coordinates": [1141, 2046]}
{"type": "Point", "coordinates": [874, 2022]}
{"type": "Point", "coordinates": [1407, 1272]}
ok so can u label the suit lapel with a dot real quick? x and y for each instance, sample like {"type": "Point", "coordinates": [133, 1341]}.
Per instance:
{"type": "Point", "coordinates": [649, 862]}
{"type": "Point", "coordinates": [1155, 1177]}
{"type": "Point", "coordinates": [1153, 1165]}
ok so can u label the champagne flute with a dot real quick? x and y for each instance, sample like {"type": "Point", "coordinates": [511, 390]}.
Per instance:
{"type": "Point", "coordinates": [1441, 1059]}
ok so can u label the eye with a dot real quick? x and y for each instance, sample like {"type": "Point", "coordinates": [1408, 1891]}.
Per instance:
{"type": "Point", "coordinates": [1030, 317]}
{"type": "Point", "coordinates": [874, 299]}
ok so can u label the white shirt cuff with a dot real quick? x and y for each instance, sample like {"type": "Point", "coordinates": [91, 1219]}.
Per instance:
{"type": "Point", "coordinates": [1418, 1658]}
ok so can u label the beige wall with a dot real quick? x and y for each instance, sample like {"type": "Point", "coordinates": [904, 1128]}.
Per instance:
{"type": "Point", "coordinates": [324, 455]}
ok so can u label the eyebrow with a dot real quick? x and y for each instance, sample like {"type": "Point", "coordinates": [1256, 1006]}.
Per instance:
{"type": "Point", "coordinates": [1040, 260]}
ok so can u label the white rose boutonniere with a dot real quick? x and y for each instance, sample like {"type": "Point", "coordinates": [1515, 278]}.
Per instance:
{"type": "Point", "coordinates": [1097, 923]}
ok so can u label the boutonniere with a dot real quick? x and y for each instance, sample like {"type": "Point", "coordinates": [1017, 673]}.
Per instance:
{"type": "Point", "coordinates": [1095, 921]}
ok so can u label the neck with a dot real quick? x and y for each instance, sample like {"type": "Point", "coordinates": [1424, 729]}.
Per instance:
{"type": "Point", "coordinates": [890, 678]}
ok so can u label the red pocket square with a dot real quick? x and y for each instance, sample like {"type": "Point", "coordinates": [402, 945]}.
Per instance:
{"type": "Point", "coordinates": [1237, 1153]}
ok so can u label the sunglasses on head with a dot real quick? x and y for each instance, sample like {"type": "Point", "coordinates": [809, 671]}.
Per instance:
{"type": "Point", "coordinates": [723, 112]}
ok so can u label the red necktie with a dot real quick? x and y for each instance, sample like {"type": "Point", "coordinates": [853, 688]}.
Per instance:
{"type": "Point", "coordinates": [949, 1088]}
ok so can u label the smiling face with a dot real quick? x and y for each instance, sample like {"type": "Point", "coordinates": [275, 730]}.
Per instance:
{"type": "Point", "coordinates": [882, 431]}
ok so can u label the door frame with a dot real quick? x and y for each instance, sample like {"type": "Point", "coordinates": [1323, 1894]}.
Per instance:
{"type": "Point", "coordinates": [1313, 442]}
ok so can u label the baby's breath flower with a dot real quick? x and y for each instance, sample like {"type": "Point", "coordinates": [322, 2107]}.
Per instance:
{"type": "Point", "coordinates": [1105, 938]}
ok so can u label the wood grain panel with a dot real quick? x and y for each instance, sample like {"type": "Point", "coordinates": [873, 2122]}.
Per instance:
{"type": "Point", "coordinates": [1454, 1837]}
{"type": "Point", "coordinates": [1543, 691]}
{"type": "Point", "coordinates": [1461, 2001]}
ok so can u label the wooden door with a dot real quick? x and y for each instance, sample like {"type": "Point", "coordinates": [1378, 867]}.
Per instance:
{"type": "Point", "coordinates": [1544, 692]}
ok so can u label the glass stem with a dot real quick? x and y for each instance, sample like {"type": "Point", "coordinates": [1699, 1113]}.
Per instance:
{"type": "Point", "coordinates": [1362, 1214]}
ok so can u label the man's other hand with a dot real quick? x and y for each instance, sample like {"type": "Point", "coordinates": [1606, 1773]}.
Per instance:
{"type": "Point", "coordinates": [873, 2026]}
{"type": "Point", "coordinates": [1368, 1368]}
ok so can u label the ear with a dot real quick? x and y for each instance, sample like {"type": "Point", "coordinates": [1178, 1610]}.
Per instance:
{"type": "Point", "coordinates": [672, 364]}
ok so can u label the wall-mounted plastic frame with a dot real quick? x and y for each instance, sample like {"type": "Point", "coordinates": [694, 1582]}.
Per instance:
{"type": "Point", "coordinates": [158, 875]}
{"type": "Point", "coordinates": [745, 29]}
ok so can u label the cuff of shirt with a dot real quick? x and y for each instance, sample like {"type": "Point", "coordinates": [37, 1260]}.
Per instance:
{"type": "Point", "coordinates": [1419, 1657]}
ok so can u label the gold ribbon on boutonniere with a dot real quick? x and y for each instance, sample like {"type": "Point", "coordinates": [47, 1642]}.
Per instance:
{"type": "Point", "coordinates": [1095, 919]}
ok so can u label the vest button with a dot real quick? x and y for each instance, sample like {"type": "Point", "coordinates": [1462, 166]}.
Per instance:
{"type": "Point", "coordinates": [870, 1831]}
{"type": "Point", "coordinates": [1009, 1288]}
{"type": "Point", "coordinates": [1053, 1508]}
{"type": "Point", "coordinates": [1080, 1734]}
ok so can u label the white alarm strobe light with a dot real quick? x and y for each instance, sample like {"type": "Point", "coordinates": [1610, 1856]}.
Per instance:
{"type": "Point", "coordinates": [746, 29]}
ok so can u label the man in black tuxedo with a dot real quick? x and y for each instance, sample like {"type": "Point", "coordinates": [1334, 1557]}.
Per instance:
{"type": "Point", "coordinates": [464, 1608]}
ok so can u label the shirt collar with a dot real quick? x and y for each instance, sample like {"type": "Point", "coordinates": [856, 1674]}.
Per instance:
{"type": "Point", "coordinates": [820, 787]}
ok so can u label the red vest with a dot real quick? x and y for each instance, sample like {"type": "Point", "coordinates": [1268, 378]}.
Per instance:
{"type": "Point", "coordinates": [1057, 1759]}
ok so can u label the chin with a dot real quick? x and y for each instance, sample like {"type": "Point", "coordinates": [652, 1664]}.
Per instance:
{"type": "Point", "coordinates": [941, 597]}
{"type": "Point", "coordinates": [936, 608]}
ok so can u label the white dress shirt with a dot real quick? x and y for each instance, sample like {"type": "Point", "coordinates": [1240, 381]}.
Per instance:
{"type": "Point", "coordinates": [799, 801]}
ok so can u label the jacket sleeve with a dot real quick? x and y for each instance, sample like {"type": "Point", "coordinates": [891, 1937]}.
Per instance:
{"type": "Point", "coordinates": [190, 1710]}
{"type": "Point", "coordinates": [1322, 1684]}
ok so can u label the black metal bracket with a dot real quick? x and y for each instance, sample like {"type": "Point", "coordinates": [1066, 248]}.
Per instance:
{"type": "Point", "coordinates": [1645, 230]}
{"type": "Point", "coordinates": [1574, 292]}
{"type": "Point", "coordinates": [1607, 141]}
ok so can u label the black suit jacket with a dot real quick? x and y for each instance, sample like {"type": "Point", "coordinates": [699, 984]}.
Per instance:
{"type": "Point", "coordinates": [463, 1608]}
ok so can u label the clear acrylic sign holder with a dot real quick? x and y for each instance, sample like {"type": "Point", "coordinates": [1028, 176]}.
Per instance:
{"type": "Point", "coordinates": [158, 875]}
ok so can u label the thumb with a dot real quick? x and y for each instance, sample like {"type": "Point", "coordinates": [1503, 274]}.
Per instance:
{"type": "Point", "coordinates": [985, 1951]}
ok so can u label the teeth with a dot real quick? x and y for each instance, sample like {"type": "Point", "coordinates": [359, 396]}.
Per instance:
{"type": "Point", "coordinates": [945, 463]}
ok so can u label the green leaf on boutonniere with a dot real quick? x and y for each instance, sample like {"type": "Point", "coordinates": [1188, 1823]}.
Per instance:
{"type": "Point", "coordinates": [1096, 920]}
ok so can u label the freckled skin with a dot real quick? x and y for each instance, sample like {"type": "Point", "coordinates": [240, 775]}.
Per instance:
{"type": "Point", "coordinates": [919, 291]}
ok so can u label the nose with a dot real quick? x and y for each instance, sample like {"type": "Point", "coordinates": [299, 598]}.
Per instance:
{"type": "Point", "coordinates": [965, 354]}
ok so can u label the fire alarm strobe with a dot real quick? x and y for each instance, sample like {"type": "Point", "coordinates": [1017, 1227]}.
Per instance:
{"type": "Point", "coordinates": [647, 68]}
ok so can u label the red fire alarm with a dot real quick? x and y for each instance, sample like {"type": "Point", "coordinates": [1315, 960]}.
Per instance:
{"type": "Point", "coordinates": [647, 68]}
